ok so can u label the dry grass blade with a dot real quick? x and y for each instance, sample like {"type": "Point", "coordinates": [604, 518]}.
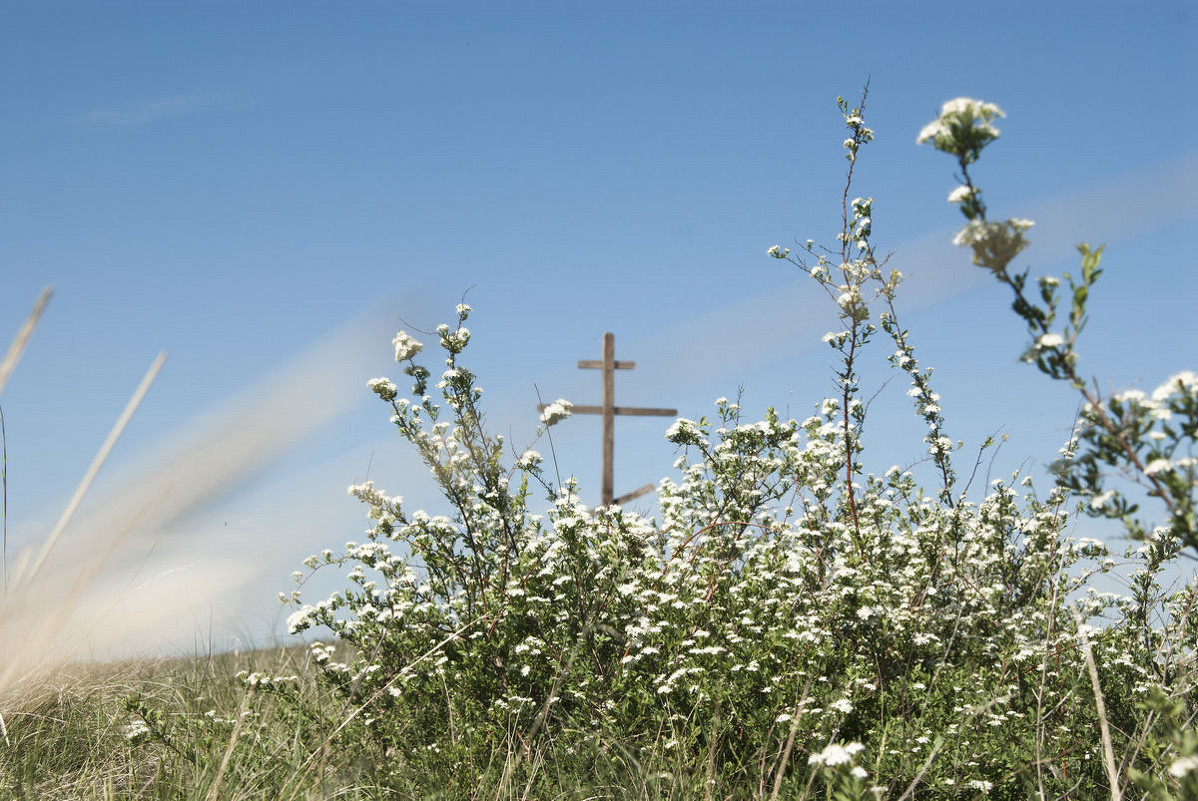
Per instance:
{"type": "Point", "coordinates": [1108, 750]}
{"type": "Point", "coordinates": [17, 348]}
{"type": "Point", "coordinates": [214, 791]}
{"type": "Point", "coordinates": [784, 760]}
{"type": "Point", "coordinates": [102, 456]}
{"type": "Point", "coordinates": [33, 645]}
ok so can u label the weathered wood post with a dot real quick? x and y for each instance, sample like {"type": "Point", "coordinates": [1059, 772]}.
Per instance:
{"type": "Point", "coordinates": [609, 410]}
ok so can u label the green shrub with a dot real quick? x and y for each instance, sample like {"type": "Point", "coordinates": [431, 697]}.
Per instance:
{"type": "Point", "coordinates": [792, 624]}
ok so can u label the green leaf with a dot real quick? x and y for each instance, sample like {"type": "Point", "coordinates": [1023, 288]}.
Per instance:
{"type": "Point", "coordinates": [1090, 261]}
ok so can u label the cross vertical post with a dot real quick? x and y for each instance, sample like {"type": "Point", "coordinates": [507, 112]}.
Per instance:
{"type": "Point", "coordinates": [609, 417]}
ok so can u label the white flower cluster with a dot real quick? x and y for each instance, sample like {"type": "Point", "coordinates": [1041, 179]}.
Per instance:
{"type": "Point", "coordinates": [1183, 766]}
{"type": "Point", "coordinates": [300, 619]}
{"type": "Point", "coordinates": [836, 754]}
{"type": "Point", "coordinates": [1184, 382]}
{"type": "Point", "coordinates": [961, 194]}
{"type": "Point", "coordinates": [1157, 466]}
{"type": "Point", "coordinates": [384, 388]}
{"type": "Point", "coordinates": [405, 346]}
{"type": "Point", "coordinates": [455, 340]}
{"type": "Point", "coordinates": [137, 731]}
{"type": "Point", "coordinates": [961, 112]}
{"type": "Point", "coordinates": [835, 338]}
{"type": "Point", "coordinates": [258, 679]}
{"type": "Point", "coordinates": [557, 411]}
{"type": "Point", "coordinates": [994, 244]}
{"type": "Point", "coordinates": [528, 460]}
{"type": "Point", "coordinates": [380, 506]}
{"type": "Point", "coordinates": [977, 232]}
{"type": "Point", "coordinates": [684, 432]}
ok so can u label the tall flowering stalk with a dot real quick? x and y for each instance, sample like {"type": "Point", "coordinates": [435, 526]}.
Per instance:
{"type": "Point", "coordinates": [1147, 439]}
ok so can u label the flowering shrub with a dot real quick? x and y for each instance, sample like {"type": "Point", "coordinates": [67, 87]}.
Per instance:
{"type": "Point", "coordinates": [792, 624]}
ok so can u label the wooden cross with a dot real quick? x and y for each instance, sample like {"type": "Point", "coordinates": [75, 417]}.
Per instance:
{"type": "Point", "coordinates": [609, 409]}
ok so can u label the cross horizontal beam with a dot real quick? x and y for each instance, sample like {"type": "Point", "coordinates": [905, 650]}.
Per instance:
{"type": "Point", "coordinates": [597, 364]}
{"type": "Point", "coordinates": [636, 493]}
{"type": "Point", "coordinates": [632, 410]}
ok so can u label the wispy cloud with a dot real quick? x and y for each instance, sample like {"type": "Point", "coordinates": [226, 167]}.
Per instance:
{"type": "Point", "coordinates": [145, 112]}
{"type": "Point", "coordinates": [764, 328]}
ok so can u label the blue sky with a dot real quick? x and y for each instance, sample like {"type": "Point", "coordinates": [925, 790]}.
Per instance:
{"type": "Point", "coordinates": [239, 183]}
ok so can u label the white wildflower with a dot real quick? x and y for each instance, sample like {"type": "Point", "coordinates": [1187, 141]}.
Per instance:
{"type": "Point", "coordinates": [835, 754]}
{"type": "Point", "coordinates": [930, 131]}
{"type": "Point", "coordinates": [1157, 466]}
{"type": "Point", "coordinates": [457, 338]}
{"type": "Point", "coordinates": [1050, 341]}
{"type": "Point", "coordinates": [1133, 396]}
{"type": "Point", "coordinates": [1102, 499]}
{"type": "Point", "coordinates": [974, 231]}
{"type": "Point", "coordinates": [383, 387]}
{"type": "Point", "coordinates": [684, 432]}
{"type": "Point", "coordinates": [1185, 381]}
{"type": "Point", "coordinates": [405, 346]}
{"type": "Point", "coordinates": [960, 194]}
{"type": "Point", "coordinates": [557, 411]}
{"type": "Point", "coordinates": [137, 730]}
{"type": "Point", "coordinates": [961, 111]}
{"type": "Point", "coordinates": [1183, 766]}
{"type": "Point", "coordinates": [300, 619]}
{"type": "Point", "coordinates": [528, 460]}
